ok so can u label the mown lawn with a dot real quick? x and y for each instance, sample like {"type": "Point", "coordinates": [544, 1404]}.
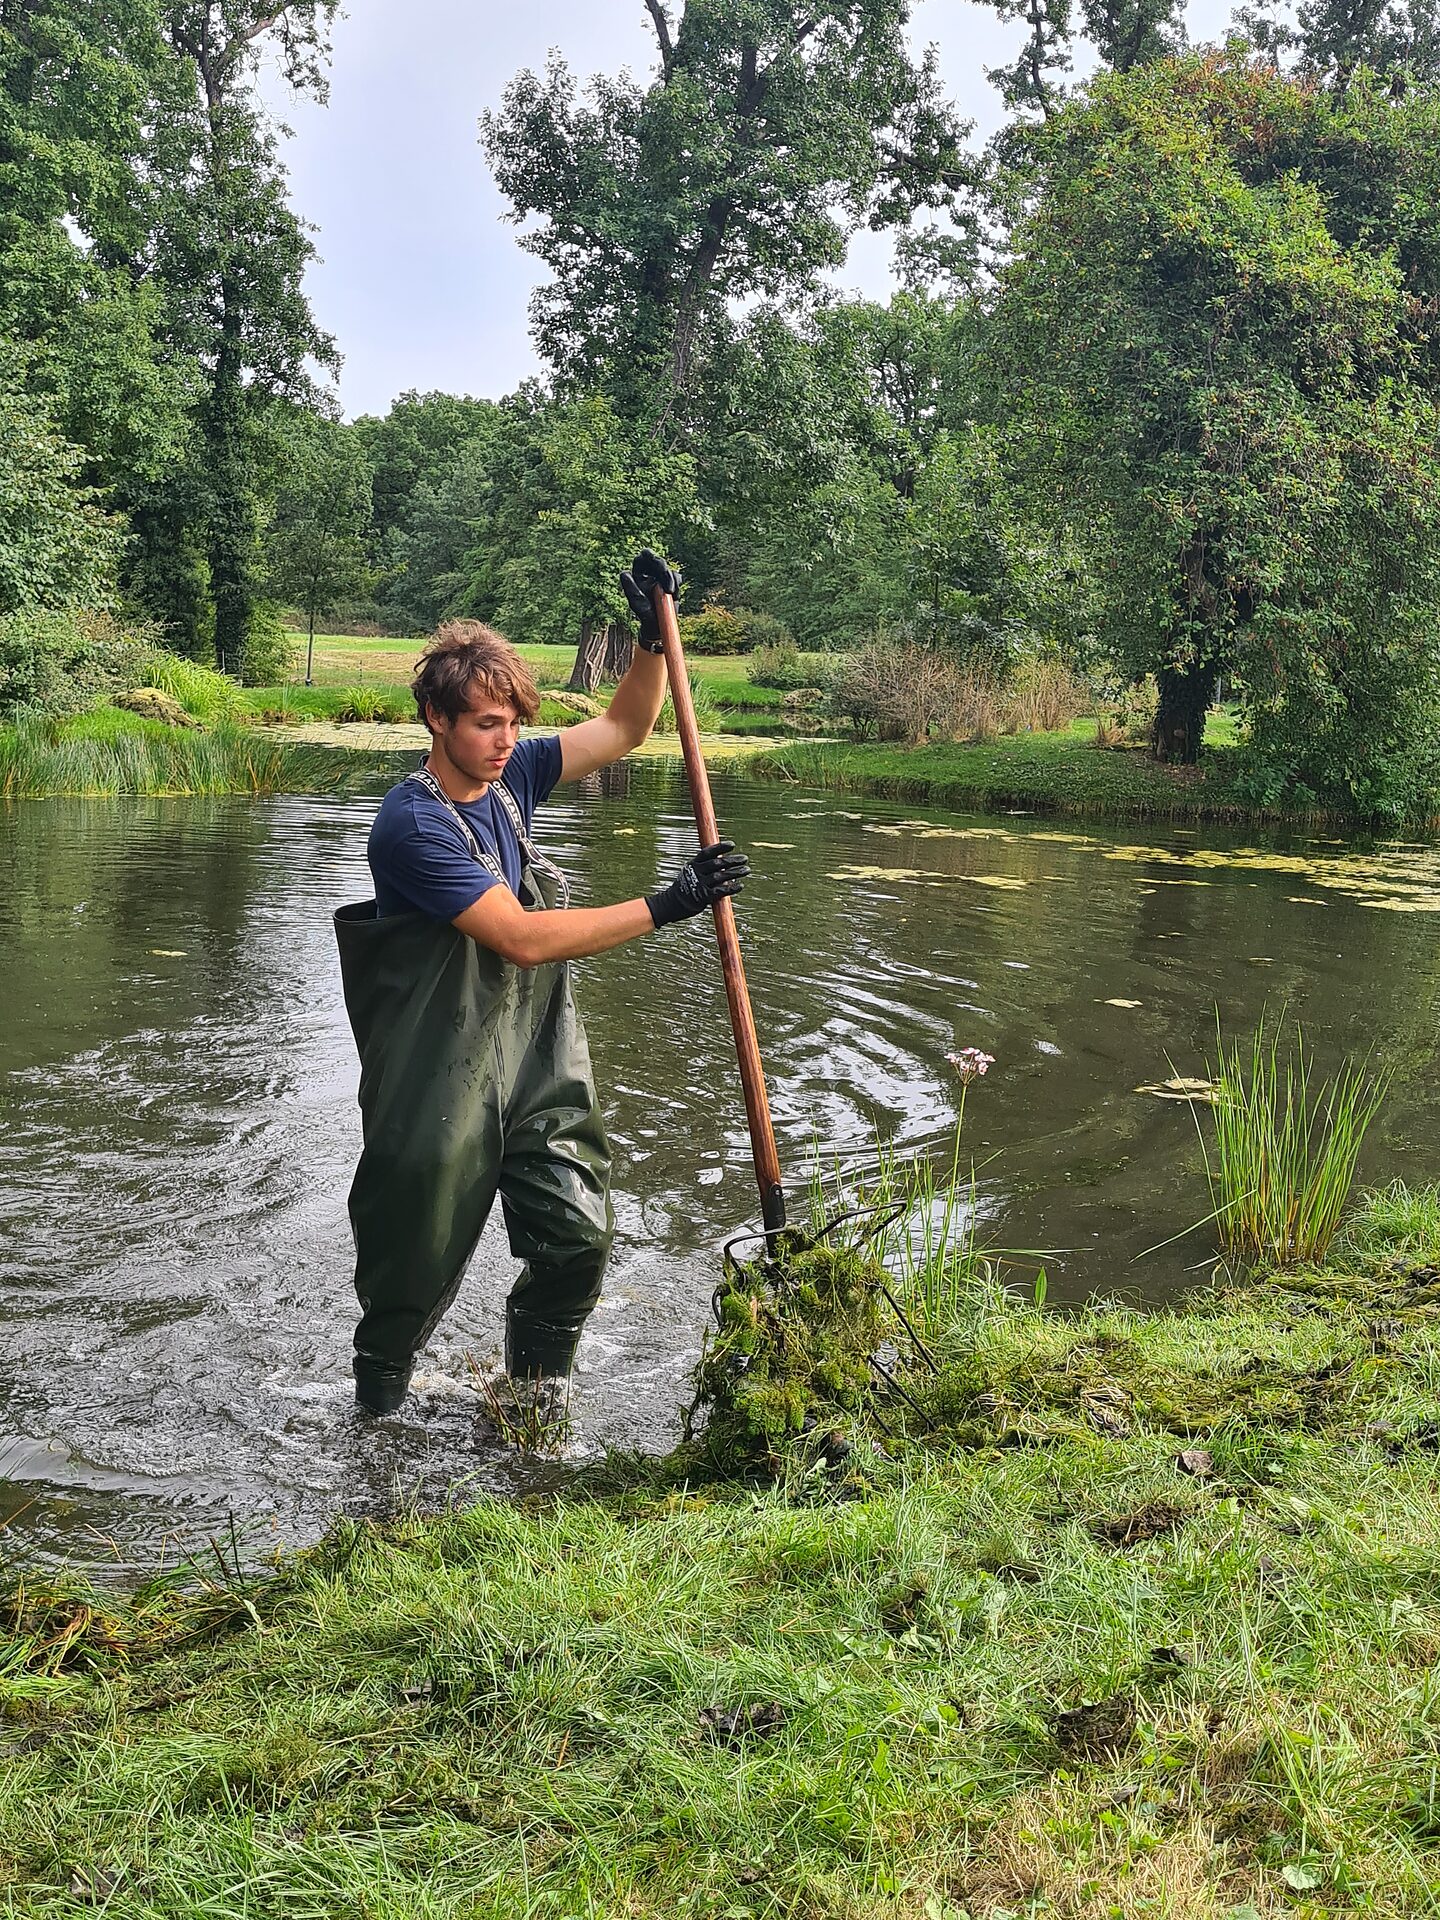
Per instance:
{"type": "Point", "coordinates": [342, 661]}
{"type": "Point", "coordinates": [1149, 1625]}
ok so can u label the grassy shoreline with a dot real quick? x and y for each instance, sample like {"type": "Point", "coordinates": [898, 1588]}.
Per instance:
{"type": "Point", "coordinates": [1055, 773]}
{"type": "Point", "coordinates": [106, 752]}
{"type": "Point", "coordinates": [1149, 1626]}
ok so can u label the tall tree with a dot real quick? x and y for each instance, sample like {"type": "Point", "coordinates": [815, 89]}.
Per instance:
{"type": "Point", "coordinates": [770, 133]}
{"type": "Point", "coordinates": [1227, 382]}
{"type": "Point", "coordinates": [57, 548]}
{"type": "Point", "coordinates": [232, 255]}
{"type": "Point", "coordinates": [316, 542]}
{"type": "Point", "coordinates": [82, 89]}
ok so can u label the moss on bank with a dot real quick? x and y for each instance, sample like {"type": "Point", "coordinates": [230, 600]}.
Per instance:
{"type": "Point", "coordinates": [1056, 1658]}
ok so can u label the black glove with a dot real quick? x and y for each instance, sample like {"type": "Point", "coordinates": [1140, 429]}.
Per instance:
{"type": "Point", "coordinates": [714, 873]}
{"type": "Point", "coordinates": [638, 584]}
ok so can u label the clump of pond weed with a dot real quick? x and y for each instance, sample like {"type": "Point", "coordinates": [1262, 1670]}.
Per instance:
{"type": "Point", "coordinates": [793, 1354]}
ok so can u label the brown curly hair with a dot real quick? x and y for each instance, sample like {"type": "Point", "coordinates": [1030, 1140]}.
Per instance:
{"type": "Point", "coordinates": [465, 656]}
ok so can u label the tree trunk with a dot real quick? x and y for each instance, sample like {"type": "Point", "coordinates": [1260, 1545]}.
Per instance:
{"type": "Point", "coordinates": [604, 653]}
{"type": "Point", "coordinates": [1185, 696]}
{"type": "Point", "coordinates": [232, 510]}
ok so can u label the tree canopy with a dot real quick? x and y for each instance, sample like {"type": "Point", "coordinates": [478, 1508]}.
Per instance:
{"type": "Point", "coordinates": [1156, 396]}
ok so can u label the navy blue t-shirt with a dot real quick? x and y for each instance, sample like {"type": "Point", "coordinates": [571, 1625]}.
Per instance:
{"type": "Point", "coordinates": [418, 855]}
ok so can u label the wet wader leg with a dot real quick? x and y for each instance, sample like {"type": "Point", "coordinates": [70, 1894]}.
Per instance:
{"type": "Point", "coordinates": [555, 1190]}
{"type": "Point", "coordinates": [416, 1221]}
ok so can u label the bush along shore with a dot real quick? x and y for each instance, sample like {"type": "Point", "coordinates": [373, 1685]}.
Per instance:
{"type": "Point", "coordinates": [1102, 1614]}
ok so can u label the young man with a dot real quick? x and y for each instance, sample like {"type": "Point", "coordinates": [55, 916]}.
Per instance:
{"type": "Point", "coordinates": [474, 1071]}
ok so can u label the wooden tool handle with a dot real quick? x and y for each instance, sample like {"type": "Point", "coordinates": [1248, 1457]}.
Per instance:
{"type": "Point", "coordinates": [742, 1020]}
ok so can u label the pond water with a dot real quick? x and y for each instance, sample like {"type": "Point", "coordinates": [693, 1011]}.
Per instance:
{"type": "Point", "coordinates": [178, 1122]}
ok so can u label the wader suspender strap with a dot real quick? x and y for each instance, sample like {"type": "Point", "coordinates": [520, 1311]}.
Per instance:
{"type": "Point", "coordinates": [531, 853]}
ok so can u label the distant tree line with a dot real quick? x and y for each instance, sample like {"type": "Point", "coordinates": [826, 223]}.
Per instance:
{"type": "Point", "coordinates": [1158, 397]}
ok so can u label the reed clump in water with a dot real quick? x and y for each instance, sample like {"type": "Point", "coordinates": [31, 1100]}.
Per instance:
{"type": "Point", "coordinates": [1282, 1156]}
{"type": "Point", "coordinates": [108, 752]}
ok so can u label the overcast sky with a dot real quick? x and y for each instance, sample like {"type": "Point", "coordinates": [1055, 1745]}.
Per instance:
{"type": "Point", "coordinates": [420, 280]}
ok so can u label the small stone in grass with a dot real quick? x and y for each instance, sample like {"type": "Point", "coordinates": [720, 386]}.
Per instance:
{"type": "Point", "coordinates": [1198, 1462]}
{"type": "Point", "coordinates": [1105, 1408]}
{"type": "Point", "coordinates": [94, 1884]}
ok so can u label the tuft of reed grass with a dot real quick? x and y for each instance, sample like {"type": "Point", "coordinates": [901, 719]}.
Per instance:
{"type": "Point", "coordinates": [1285, 1145]}
{"type": "Point", "coordinates": [707, 712]}
{"type": "Point", "coordinates": [110, 753]}
{"type": "Point", "coordinates": [203, 692]}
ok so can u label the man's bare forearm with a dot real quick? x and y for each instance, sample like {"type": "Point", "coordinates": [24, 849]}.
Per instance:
{"type": "Point", "coordinates": [563, 933]}
{"type": "Point", "coordinates": [635, 704]}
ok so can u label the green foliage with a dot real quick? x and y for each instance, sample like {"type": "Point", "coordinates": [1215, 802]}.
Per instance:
{"type": "Point", "coordinates": [718, 629]}
{"type": "Point", "coordinates": [414, 447]}
{"type": "Point", "coordinates": [83, 90]}
{"type": "Point", "coordinates": [269, 653]}
{"type": "Point", "coordinates": [57, 547]}
{"type": "Point", "coordinates": [1227, 383]}
{"type": "Point", "coordinates": [784, 666]}
{"type": "Point", "coordinates": [316, 542]}
{"type": "Point", "coordinates": [767, 137]}
{"type": "Point", "coordinates": [575, 491]}
{"type": "Point", "coordinates": [58, 662]}
{"type": "Point", "coordinates": [231, 255]}
{"type": "Point", "coordinates": [1283, 1153]}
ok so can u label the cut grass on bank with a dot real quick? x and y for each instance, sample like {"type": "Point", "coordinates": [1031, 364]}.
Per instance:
{"type": "Point", "coordinates": [1057, 1670]}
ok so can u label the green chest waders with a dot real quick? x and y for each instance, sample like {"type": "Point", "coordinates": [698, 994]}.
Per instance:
{"type": "Point", "coordinates": [474, 1080]}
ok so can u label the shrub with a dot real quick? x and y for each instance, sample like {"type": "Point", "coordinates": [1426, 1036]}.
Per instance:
{"type": "Point", "coordinates": [269, 654]}
{"type": "Point", "coordinates": [898, 690]}
{"type": "Point", "coordinates": [721, 629]}
{"type": "Point", "coordinates": [1042, 695]}
{"type": "Point", "coordinates": [785, 667]}
{"type": "Point", "coordinates": [63, 662]}
{"type": "Point", "coordinates": [1130, 716]}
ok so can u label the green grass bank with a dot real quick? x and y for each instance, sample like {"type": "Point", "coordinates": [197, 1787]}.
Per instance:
{"type": "Point", "coordinates": [1055, 773]}
{"type": "Point", "coordinates": [1146, 1623]}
